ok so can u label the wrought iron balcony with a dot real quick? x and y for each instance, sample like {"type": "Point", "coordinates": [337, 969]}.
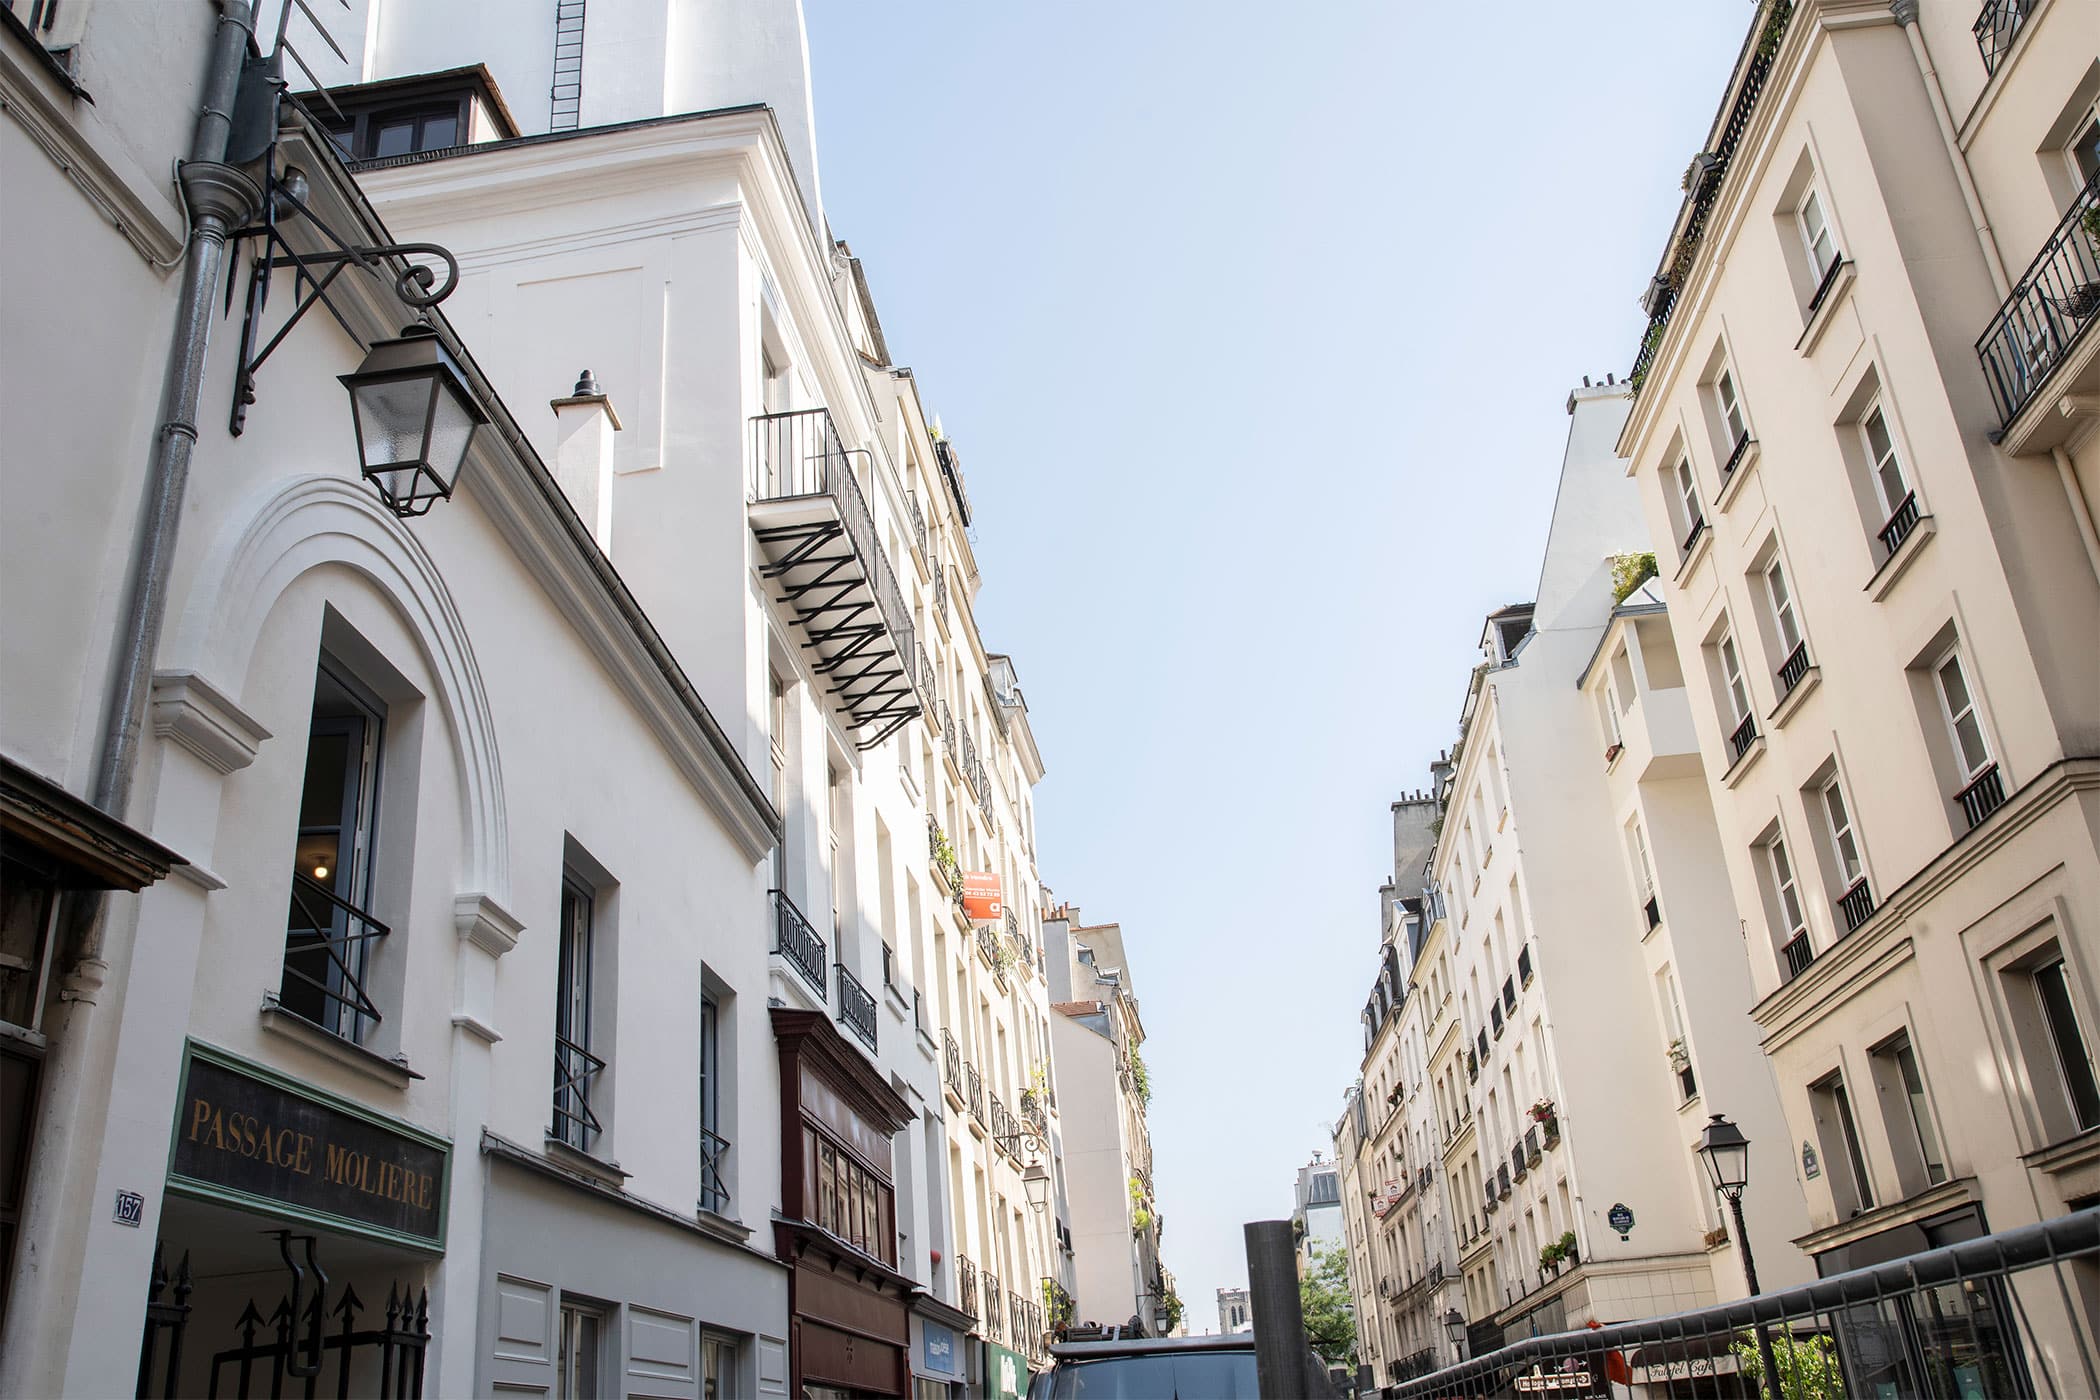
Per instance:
{"type": "Point", "coordinates": [1691, 536]}
{"type": "Point", "coordinates": [327, 948]}
{"type": "Point", "coordinates": [1483, 1045]}
{"type": "Point", "coordinates": [574, 1069]}
{"type": "Point", "coordinates": [1532, 1151]}
{"type": "Point", "coordinates": [1984, 795]}
{"type": "Point", "coordinates": [994, 1306]}
{"type": "Point", "coordinates": [940, 592]}
{"type": "Point", "coordinates": [1799, 954]}
{"type": "Point", "coordinates": [1495, 1017]}
{"type": "Point", "coordinates": [1793, 669]}
{"type": "Point", "coordinates": [798, 942]}
{"type": "Point", "coordinates": [1509, 994]}
{"type": "Point", "coordinates": [714, 1160]}
{"type": "Point", "coordinates": [951, 1062]}
{"type": "Point", "coordinates": [975, 1084]}
{"type": "Point", "coordinates": [966, 1284]}
{"type": "Point", "coordinates": [1033, 1115]}
{"type": "Point", "coordinates": [856, 1007]}
{"type": "Point", "coordinates": [1743, 736]}
{"type": "Point", "coordinates": [1856, 904]}
{"type": "Point", "coordinates": [1517, 1167]}
{"type": "Point", "coordinates": [918, 521]}
{"type": "Point", "coordinates": [818, 547]}
{"type": "Point", "coordinates": [1997, 26]}
{"type": "Point", "coordinates": [1524, 964]}
{"type": "Point", "coordinates": [1901, 522]}
{"type": "Point", "coordinates": [1736, 454]}
{"type": "Point", "coordinates": [2052, 307]}
{"type": "Point", "coordinates": [1502, 1182]}
{"type": "Point", "coordinates": [1651, 910]}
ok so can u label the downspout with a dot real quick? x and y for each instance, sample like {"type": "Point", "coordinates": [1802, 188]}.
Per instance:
{"type": "Point", "coordinates": [2080, 511]}
{"type": "Point", "coordinates": [220, 198]}
{"type": "Point", "coordinates": [1906, 13]}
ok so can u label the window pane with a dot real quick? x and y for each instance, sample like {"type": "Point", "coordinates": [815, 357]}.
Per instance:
{"type": "Point", "coordinates": [2073, 1058]}
{"type": "Point", "coordinates": [439, 132]}
{"type": "Point", "coordinates": [393, 136]}
{"type": "Point", "coordinates": [1920, 1113]}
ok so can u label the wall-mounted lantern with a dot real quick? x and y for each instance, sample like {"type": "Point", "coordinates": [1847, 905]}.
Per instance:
{"type": "Point", "coordinates": [415, 416]}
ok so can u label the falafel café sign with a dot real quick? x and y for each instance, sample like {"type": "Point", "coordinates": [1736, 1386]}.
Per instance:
{"type": "Point", "coordinates": [248, 1137]}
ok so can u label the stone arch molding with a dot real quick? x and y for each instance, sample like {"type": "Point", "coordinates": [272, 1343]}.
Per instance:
{"type": "Point", "coordinates": [310, 521]}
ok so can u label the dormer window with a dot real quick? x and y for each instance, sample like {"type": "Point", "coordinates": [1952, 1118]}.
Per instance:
{"type": "Point", "coordinates": [402, 116]}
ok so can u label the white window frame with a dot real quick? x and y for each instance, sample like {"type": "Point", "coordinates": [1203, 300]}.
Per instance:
{"type": "Point", "coordinates": [1786, 619]}
{"type": "Point", "coordinates": [1817, 236]}
{"type": "Point", "coordinates": [1786, 888]}
{"type": "Point", "coordinates": [1841, 834]}
{"type": "Point", "coordinates": [1688, 497]}
{"type": "Point", "coordinates": [1733, 680]}
{"type": "Point", "coordinates": [1728, 397]}
{"type": "Point", "coordinates": [1890, 459]}
{"type": "Point", "coordinates": [1952, 717]}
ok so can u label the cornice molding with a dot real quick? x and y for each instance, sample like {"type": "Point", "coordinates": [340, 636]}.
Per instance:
{"type": "Point", "coordinates": [192, 712]}
{"type": "Point", "coordinates": [485, 924]}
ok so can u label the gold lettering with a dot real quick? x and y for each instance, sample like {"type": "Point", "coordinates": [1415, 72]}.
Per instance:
{"type": "Point", "coordinates": [302, 1163]}
{"type": "Point", "coordinates": [217, 1136]}
{"type": "Point", "coordinates": [268, 1150]}
{"type": "Point", "coordinates": [199, 1116]}
{"type": "Point", "coordinates": [337, 1163]}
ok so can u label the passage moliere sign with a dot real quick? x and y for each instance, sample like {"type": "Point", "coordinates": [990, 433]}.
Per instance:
{"type": "Point", "coordinates": [242, 1137]}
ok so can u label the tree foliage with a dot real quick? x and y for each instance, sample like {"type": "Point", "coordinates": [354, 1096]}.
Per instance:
{"type": "Point", "coordinates": [1330, 1316]}
{"type": "Point", "coordinates": [1807, 1365]}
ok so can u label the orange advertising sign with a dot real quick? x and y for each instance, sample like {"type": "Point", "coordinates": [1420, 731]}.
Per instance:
{"type": "Point", "coordinates": [981, 902]}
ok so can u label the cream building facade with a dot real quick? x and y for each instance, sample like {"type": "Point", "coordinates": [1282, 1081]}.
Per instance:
{"type": "Point", "coordinates": [1864, 431]}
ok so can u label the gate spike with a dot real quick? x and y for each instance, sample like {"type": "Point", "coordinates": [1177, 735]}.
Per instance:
{"type": "Point", "coordinates": [393, 1307]}
{"type": "Point", "coordinates": [351, 1305]}
{"type": "Point", "coordinates": [158, 1279]}
{"type": "Point", "coordinates": [248, 1321]}
{"type": "Point", "coordinates": [184, 1284]}
{"type": "Point", "coordinates": [423, 1312]}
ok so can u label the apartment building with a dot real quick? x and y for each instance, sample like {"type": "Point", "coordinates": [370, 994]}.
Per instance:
{"type": "Point", "coordinates": [1872, 330]}
{"type": "Point", "coordinates": [1316, 1211]}
{"type": "Point", "coordinates": [684, 712]}
{"type": "Point", "coordinates": [1567, 1088]}
{"type": "Point", "coordinates": [1098, 1036]}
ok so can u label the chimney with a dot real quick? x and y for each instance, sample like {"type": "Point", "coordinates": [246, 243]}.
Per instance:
{"type": "Point", "coordinates": [584, 424]}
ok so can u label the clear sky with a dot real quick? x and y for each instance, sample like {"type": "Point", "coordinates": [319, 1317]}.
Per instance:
{"type": "Point", "coordinates": [1253, 324]}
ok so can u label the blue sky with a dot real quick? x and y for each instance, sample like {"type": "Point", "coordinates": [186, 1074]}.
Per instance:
{"type": "Point", "coordinates": [1253, 324]}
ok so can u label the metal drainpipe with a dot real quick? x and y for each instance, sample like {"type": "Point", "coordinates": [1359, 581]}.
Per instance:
{"type": "Point", "coordinates": [220, 198]}
{"type": "Point", "coordinates": [1906, 12]}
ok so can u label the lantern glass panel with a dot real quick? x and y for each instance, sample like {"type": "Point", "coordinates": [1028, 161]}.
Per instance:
{"type": "Point", "coordinates": [450, 427]}
{"type": "Point", "coordinates": [391, 417]}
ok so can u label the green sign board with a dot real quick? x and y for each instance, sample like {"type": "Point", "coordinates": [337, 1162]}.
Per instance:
{"type": "Point", "coordinates": [248, 1136]}
{"type": "Point", "coordinates": [1005, 1373]}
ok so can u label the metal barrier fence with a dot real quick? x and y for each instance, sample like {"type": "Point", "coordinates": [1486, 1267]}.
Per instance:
{"type": "Point", "coordinates": [2008, 1316]}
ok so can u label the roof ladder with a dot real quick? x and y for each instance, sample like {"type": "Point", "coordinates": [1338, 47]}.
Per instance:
{"type": "Point", "coordinates": [566, 93]}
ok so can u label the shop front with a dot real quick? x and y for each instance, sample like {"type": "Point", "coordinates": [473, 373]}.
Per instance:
{"type": "Point", "coordinates": [939, 1336]}
{"type": "Point", "coordinates": [849, 1330]}
{"type": "Point", "coordinates": [1005, 1373]}
{"type": "Point", "coordinates": [298, 1241]}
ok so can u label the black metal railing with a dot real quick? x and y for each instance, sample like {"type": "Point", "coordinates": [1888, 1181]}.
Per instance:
{"type": "Point", "coordinates": [1532, 1150]}
{"type": "Point", "coordinates": [165, 1316]}
{"type": "Point", "coordinates": [1524, 964]}
{"type": "Point", "coordinates": [1856, 904]}
{"type": "Point", "coordinates": [1013, 936]}
{"type": "Point", "coordinates": [1709, 173]}
{"type": "Point", "coordinates": [574, 1068]}
{"type": "Point", "coordinates": [302, 1333]}
{"type": "Point", "coordinates": [1509, 994]}
{"type": "Point", "coordinates": [714, 1167]}
{"type": "Point", "coordinates": [327, 945]}
{"type": "Point", "coordinates": [1517, 1167]}
{"type": "Point", "coordinates": [929, 688]}
{"type": "Point", "coordinates": [1482, 1046]}
{"type": "Point", "coordinates": [1692, 535]}
{"type": "Point", "coordinates": [966, 1284]}
{"type": "Point", "coordinates": [1651, 910]}
{"type": "Point", "coordinates": [798, 942]}
{"type": "Point", "coordinates": [988, 948]}
{"type": "Point", "coordinates": [1004, 1130]}
{"type": "Point", "coordinates": [1491, 1201]}
{"type": "Point", "coordinates": [1945, 1321]}
{"type": "Point", "coordinates": [1901, 522]}
{"type": "Point", "coordinates": [940, 592]}
{"type": "Point", "coordinates": [918, 521]}
{"type": "Point", "coordinates": [1495, 1017]}
{"type": "Point", "coordinates": [994, 1306]}
{"type": "Point", "coordinates": [1830, 278]}
{"type": "Point", "coordinates": [974, 1083]}
{"type": "Point", "coordinates": [856, 1006]}
{"type": "Point", "coordinates": [800, 454]}
{"type": "Point", "coordinates": [1799, 954]}
{"type": "Point", "coordinates": [1997, 25]}
{"type": "Point", "coordinates": [1060, 1306]}
{"type": "Point", "coordinates": [951, 1062]}
{"type": "Point", "coordinates": [1033, 1115]}
{"type": "Point", "coordinates": [1502, 1181]}
{"type": "Point", "coordinates": [1736, 454]}
{"type": "Point", "coordinates": [1984, 795]}
{"type": "Point", "coordinates": [2051, 307]}
{"type": "Point", "coordinates": [1793, 669]}
{"type": "Point", "coordinates": [1743, 736]}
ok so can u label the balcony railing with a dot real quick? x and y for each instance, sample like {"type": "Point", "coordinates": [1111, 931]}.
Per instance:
{"type": "Point", "coordinates": [918, 521]}
{"type": "Point", "coordinates": [966, 1284]}
{"type": "Point", "coordinates": [1736, 455]}
{"type": "Point", "coordinates": [1524, 964]}
{"type": "Point", "coordinates": [856, 1007]}
{"type": "Point", "coordinates": [1901, 522]}
{"type": "Point", "coordinates": [798, 942]}
{"type": "Point", "coordinates": [1743, 736]}
{"type": "Point", "coordinates": [1033, 1115]}
{"type": "Point", "coordinates": [1502, 1182]}
{"type": "Point", "coordinates": [1651, 910]}
{"type": "Point", "coordinates": [327, 945]}
{"type": "Point", "coordinates": [1691, 536]}
{"type": "Point", "coordinates": [820, 550]}
{"type": "Point", "coordinates": [1532, 1151]}
{"type": "Point", "coordinates": [1799, 954]}
{"type": "Point", "coordinates": [1004, 1129]}
{"type": "Point", "coordinates": [714, 1162]}
{"type": "Point", "coordinates": [1495, 1017]}
{"type": "Point", "coordinates": [994, 1307]}
{"type": "Point", "coordinates": [951, 1062]}
{"type": "Point", "coordinates": [1856, 904]}
{"type": "Point", "coordinates": [1517, 1168]}
{"type": "Point", "coordinates": [2051, 307]}
{"type": "Point", "coordinates": [940, 592]}
{"type": "Point", "coordinates": [1793, 669]}
{"type": "Point", "coordinates": [1491, 1200]}
{"type": "Point", "coordinates": [1996, 28]}
{"type": "Point", "coordinates": [974, 1082]}
{"type": "Point", "coordinates": [1710, 172]}
{"type": "Point", "coordinates": [574, 1069]}
{"type": "Point", "coordinates": [1509, 994]}
{"type": "Point", "coordinates": [1984, 795]}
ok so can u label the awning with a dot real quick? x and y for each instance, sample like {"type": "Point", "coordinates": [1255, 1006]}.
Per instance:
{"type": "Point", "coordinates": [71, 842]}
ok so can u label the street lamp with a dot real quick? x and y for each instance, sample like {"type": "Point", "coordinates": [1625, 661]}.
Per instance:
{"type": "Point", "coordinates": [1455, 1324]}
{"type": "Point", "coordinates": [1036, 1181]}
{"type": "Point", "coordinates": [1726, 1154]}
{"type": "Point", "coordinates": [414, 416]}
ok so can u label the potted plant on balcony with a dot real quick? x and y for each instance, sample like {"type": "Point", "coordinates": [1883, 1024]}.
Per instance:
{"type": "Point", "coordinates": [1542, 1111]}
{"type": "Point", "coordinates": [1567, 1248]}
{"type": "Point", "coordinates": [1550, 1259]}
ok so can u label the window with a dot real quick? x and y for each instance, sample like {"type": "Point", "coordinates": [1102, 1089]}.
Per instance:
{"type": "Point", "coordinates": [1673, 1025]}
{"type": "Point", "coordinates": [718, 1365]}
{"type": "Point", "coordinates": [1843, 845]}
{"type": "Point", "coordinates": [399, 130]}
{"type": "Point", "coordinates": [582, 1352]}
{"type": "Point", "coordinates": [575, 1066]}
{"type": "Point", "coordinates": [1958, 708]}
{"type": "Point", "coordinates": [2072, 1051]}
{"type": "Point", "coordinates": [329, 936]}
{"type": "Point", "coordinates": [1785, 622]}
{"type": "Point", "coordinates": [1784, 894]}
{"type": "Point", "coordinates": [1844, 1162]}
{"type": "Point", "coordinates": [853, 1201]}
{"type": "Point", "coordinates": [1693, 520]}
{"type": "Point", "coordinates": [1732, 675]}
{"type": "Point", "coordinates": [1886, 468]}
{"type": "Point", "coordinates": [1637, 841]}
{"type": "Point", "coordinates": [2083, 150]}
{"type": "Point", "coordinates": [1735, 427]}
{"type": "Point", "coordinates": [777, 714]}
{"type": "Point", "coordinates": [714, 1148]}
{"type": "Point", "coordinates": [1907, 1114]}
{"type": "Point", "coordinates": [1816, 236]}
